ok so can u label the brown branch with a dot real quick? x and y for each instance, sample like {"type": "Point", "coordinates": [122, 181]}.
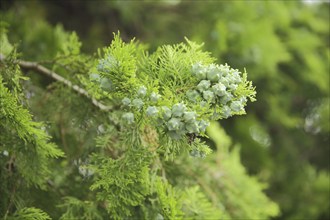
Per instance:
{"type": "Point", "coordinates": [43, 70]}
{"type": "Point", "coordinates": [11, 199]}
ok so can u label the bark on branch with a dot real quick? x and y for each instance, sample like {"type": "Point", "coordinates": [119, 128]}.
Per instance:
{"type": "Point", "coordinates": [43, 70]}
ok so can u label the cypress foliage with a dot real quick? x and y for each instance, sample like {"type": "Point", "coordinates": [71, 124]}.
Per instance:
{"type": "Point", "coordinates": [126, 135]}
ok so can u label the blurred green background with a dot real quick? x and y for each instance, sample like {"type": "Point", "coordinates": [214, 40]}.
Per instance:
{"type": "Point", "coordinates": [284, 46]}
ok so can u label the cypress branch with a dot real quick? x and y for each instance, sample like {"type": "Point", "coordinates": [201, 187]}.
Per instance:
{"type": "Point", "coordinates": [43, 70]}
